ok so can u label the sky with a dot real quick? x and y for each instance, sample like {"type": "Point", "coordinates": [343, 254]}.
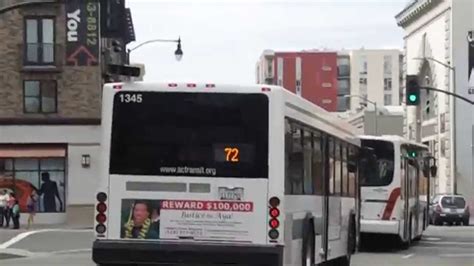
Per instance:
{"type": "Point", "coordinates": [223, 39]}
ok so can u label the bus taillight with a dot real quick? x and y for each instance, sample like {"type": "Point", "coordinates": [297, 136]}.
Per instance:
{"type": "Point", "coordinates": [274, 223]}
{"type": "Point", "coordinates": [101, 207]}
{"type": "Point", "coordinates": [274, 202]}
{"type": "Point", "coordinates": [274, 212]}
{"type": "Point", "coordinates": [101, 217]}
{"type": "Point", "coordinates": [101, 197]}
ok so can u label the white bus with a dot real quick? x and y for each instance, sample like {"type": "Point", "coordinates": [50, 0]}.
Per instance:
{"type": "Point", "coordinates": [197, 174]}
{"type": "Point", "coordinates": [395, 190]}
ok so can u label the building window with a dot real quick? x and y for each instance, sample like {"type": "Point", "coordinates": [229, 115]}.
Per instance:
{"type": "Point", "coordinates": [326, 68]}
{"type": "Point", "coordinates": [443, 147]}
{"type": "Point", "coordinates": [326, 101]}
{"type": "Point", "coordinates": [387, 99]}
{"type": "Point", "coordinates": [342, 103]}
{"type": "Point", "coordinates": [326, 85]}
{"type": "Point", "coordinates": [40, 96]}
{"type": "Point", "coordinates": [343, 87]}
{"type": "Point", "coordinates": [363, 65]}
{"type": "Point", "coordinates": [387, 64]}
{"type": "Point", "coordinates": [46, 175]}
{"type": "Point", "coordinates": [363, 81]}
{"type": "Point", "coordinates": [387, 84]}
{"type": "Point", "coordinates": [39, 41]}
{"type": "Point", "coordinates": [442, 123]}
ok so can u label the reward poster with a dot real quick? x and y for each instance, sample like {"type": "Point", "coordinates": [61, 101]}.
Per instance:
{"type": "Point", "coordinates": [186, 219]}
{"type": "Point", "coordinates": [210, 220]}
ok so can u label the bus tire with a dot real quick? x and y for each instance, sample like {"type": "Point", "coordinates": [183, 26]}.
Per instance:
{"type": "Point", "coordinates": [407, 242]}
{"type": "Point", "coordinates": [351, 238]}
{"type": "Point", "coordinates": [424, 219]}
{"type": "Point", "coordinates": [344, 261]}
{"type": "Point", "coordinates": [307, 255]}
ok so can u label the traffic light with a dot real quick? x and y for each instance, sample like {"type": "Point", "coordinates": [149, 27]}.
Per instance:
{"type": "Point", "coordinates": [412, 90]}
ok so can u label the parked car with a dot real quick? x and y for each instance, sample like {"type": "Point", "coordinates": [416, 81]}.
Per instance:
{"type": "Point", "coordinates": [449, 208]}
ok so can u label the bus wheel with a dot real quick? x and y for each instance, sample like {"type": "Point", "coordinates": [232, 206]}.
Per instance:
{"type": "Point", "coordinates": [407, 242]}
{"type": "Point", "coordinates": [351, 242]}
{"type": "Point", "coordinates": [344, 261]}
{"type": "Point", "coordinates": [308, 244]}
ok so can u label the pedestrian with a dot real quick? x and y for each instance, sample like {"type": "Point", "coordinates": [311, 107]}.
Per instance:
{"type": "Point", "coordinates": [31, 205]}
{"type": "Point", "coordinates": [49, 190]}
{"type": "Point", "coordinates": [3, 206]}
{"type": "Point", "coordinates": [10, 203]}
{"type": "Point", "coordinates": [16, 215]}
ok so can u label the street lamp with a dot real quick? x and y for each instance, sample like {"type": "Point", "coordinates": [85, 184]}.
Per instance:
{"type": "Point", "coordinates": [453, 112]}
{"type": "Point", "coordinates": [178, 53]}
{"type": "Point", "coordinates": [369, 101]}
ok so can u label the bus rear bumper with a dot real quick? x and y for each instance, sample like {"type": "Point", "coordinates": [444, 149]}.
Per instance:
{"type": "Point", "coordinates": [179, 253]}
{"type": "Point", "coordinates": [379, 227]}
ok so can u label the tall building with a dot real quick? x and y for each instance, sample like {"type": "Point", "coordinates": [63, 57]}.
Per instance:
{"type": "Point", "coordinates": [371, 74]}
{"type": "Point", "coordinates": [52, 62]}
{"type": "Point", "coordinates": [375, 75]}
{"type": "Point", "coordinates": [439, 50]}
{"type": "Point", "coordinates": [265, 68]}
{"type": "Point", "coordinates": [309, 74]}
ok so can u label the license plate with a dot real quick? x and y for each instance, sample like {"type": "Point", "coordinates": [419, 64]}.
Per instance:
{"type": "Point", "coordinates": [231, 193]}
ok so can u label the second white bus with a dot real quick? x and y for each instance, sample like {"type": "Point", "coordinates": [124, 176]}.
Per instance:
{"type": "Point", "coordinates": [394, 190]}
{"type": "Point", "coordinates": [204, 174]}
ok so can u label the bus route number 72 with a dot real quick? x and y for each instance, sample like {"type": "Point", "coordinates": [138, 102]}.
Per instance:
{"type": "Point", "coordinates": [131, 98]}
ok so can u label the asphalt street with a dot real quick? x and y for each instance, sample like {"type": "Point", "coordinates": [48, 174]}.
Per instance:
{"type": "Point", "coordinates": [440, 246]}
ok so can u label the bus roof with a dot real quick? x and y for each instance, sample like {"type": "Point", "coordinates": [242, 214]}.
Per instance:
{"type": "Point", "coordinates": [395, 139]}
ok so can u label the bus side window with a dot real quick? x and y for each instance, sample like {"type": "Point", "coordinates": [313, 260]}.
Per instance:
{"type": "Point", "coordinates": [345, 177]}
{"type": "Point", "coordinates": [337, 168]}
{"type": "Point", "coordinates": [317, 167]}
{"type": "Point", "coordinates": [307, 155]}
{"type": "Point", "coordinates": [294, 156]}
{"type": "Point", "coordinates": [352, 174]}
{"type": "Point", "coordinates": [331, 165]}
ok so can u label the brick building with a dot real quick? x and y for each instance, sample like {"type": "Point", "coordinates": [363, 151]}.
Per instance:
{"type": "Point", "coordinates": [310, 74]}
{"type": "Point", "coordinates": [52, 63]}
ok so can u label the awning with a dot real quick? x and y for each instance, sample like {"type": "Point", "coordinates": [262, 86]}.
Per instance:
{"type": "Point", "coordinates": [31, 151]}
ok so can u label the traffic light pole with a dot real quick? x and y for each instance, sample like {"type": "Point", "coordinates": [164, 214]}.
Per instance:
{"type": "Point", "coordinates": [449, 93]}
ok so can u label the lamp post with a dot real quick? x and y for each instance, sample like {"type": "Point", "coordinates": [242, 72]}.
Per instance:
{"type": "Point", "coordinates": [178, 53]}
{"type": "Point", "coordinates": [453, 119]}
{"type": "Point", "coordinates": [369, 101]}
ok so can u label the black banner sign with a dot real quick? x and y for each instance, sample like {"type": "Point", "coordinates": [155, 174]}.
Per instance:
{"type": "Point", "coordinates": [82, 32]}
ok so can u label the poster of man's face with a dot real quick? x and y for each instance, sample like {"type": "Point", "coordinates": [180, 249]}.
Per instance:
{"type": "Point", "coordinates": [140, 219]}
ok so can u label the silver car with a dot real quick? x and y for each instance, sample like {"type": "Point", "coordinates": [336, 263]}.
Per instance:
{"type": "Point", "coordinates": [449, 208]}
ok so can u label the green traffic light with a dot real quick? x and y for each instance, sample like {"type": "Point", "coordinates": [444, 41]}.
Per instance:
{"type": "Point", "coordinates": [412, 154]}
{"type": "Point", "coordinates": [412, 98]}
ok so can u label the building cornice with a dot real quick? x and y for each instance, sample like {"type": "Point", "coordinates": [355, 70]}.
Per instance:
{"type": "Point", "coordinates": [415, 10]}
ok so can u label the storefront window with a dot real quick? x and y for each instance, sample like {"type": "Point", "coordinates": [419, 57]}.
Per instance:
{"type": "Point", "coordinates": [46, 176]}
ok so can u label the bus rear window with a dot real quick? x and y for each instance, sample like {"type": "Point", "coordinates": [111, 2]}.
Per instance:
{"type": "Point", "coordinates": [190, 134]}
{"type": "Point", "coordinates": [380, 173]}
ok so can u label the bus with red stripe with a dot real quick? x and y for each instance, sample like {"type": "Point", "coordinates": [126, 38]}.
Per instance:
{"type": "Point", "coordinates": [210, 174]}
{"type": "Point", "coordinates": [395, 189]}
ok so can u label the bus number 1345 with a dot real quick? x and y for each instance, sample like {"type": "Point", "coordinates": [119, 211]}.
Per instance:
{"type": "Point", "coordinates": [131, 98]}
